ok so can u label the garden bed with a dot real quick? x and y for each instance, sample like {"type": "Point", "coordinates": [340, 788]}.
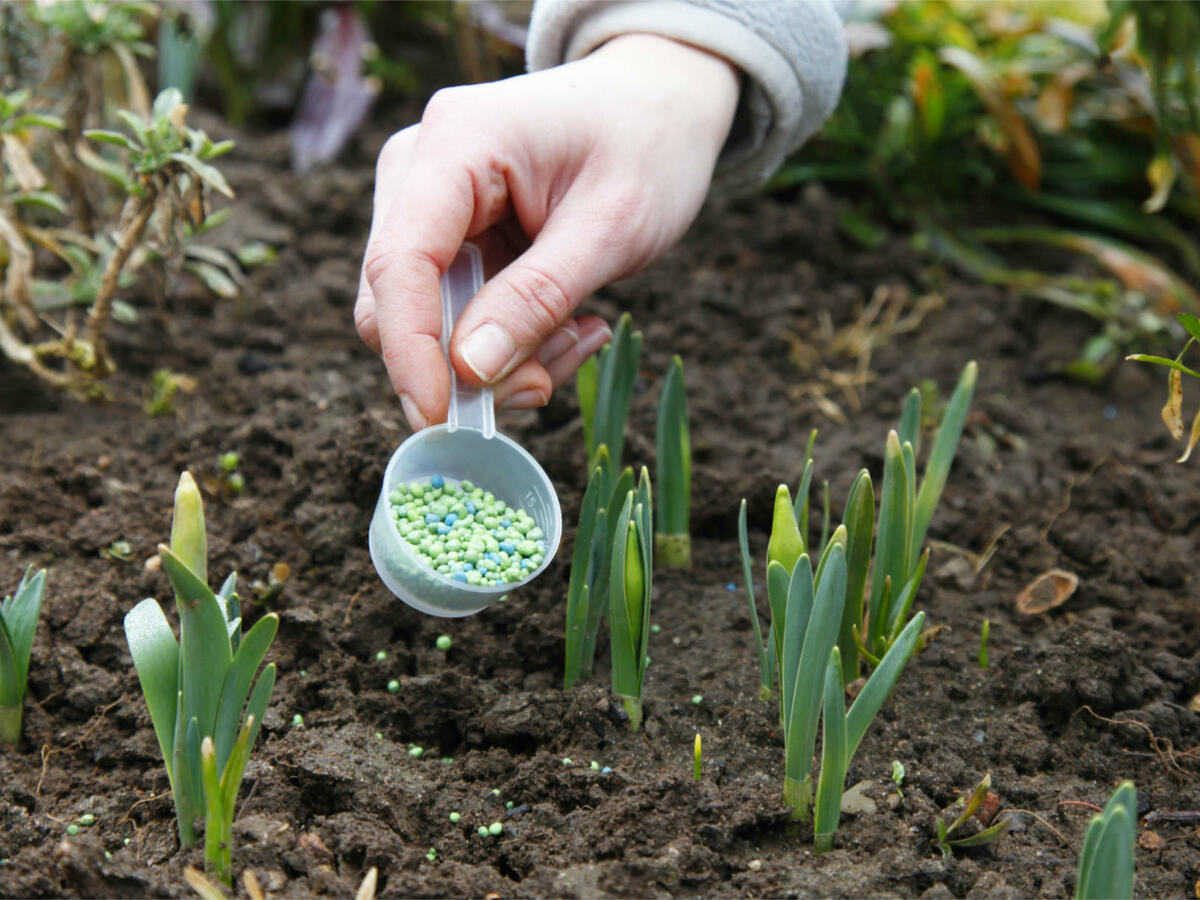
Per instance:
{"type": "Point", "coordinates": [1072, 701]}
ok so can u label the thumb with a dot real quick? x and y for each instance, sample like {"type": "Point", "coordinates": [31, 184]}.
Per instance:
{"type": "Point", "coordinates": [526, 302]}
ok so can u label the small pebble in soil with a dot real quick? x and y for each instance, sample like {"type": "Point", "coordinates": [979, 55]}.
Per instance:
{"type": "Point", "coordinates": [87, 819]}
{"type": "Point", "coordinates": [607, 770]}
{"type": "Point", "coordinates": [495, 829]}
{"type": "Point", "coordinates": [297, 720]}
{"type": "Point", "coordinates": [416, 752]}
{"type": "Point", "coordinates": [697, 699]}
{"type": "Point", "coordinates": [393, 686]}
{"type": "Point", "coordinates": [730, 586]}
{"type": "Point", "coordinates": [72, 828]}
{"type": "Point", "coordinates": [754, 865]}
{"type": "Point", "coordinates": [455, 817]}
{"type": "Point", "coordinates": [1110, 412]}
{"type": "Point", "coordinates": [380, 655]}
{"type": "Point", "coordinates": [443, 642]}
{"type": "Point", "coordinates": [464, 533]}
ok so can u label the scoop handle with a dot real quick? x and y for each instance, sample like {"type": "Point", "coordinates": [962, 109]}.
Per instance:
{"type": "Point", "coordinates": [469, 407]}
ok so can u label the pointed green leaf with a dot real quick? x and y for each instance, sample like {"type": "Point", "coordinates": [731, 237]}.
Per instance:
{"type": "Point", "coordinates": [945, 446]}
{"type": "Point", "coordinates": [12, 686]}
{"type": "Point", "coordinates": [674, 457]}
{"type": "Point", "coordinates": [585, 387]}
{"type": "Point", "coordinates": [910, 419]}
{"type": "Point", "coordinates": [581, 566]}
{"type": "Point", "coordinates": [102, 136]}
{"type": "Point", "coordinates": [763, 650]}
{"type": "Point", "coordinates": [625, 666]}
{"type": "Point", "coordinates": [210, 175]}
{"type": "Point", "coordinates": [21, 618]}
{"type": "Point", "coordinates": [899, 611]}
{"type": "Point", "coordinates": [1106, 863]}
{"type": "Point", "coordinates": [43, 200]}
{"type": "Point", "coordinates": [891, 546]}
{"type": "Point", "coordinates": [236, 687]}
{"type": "Point", "coordinates": [800, 505]}
{"type": "Point", "coordinates": [189, 539]}
{"type": "Point", "coordinates": [879, 686]}
{"type": "Point", "coordinates": [1163, 361]}
{"type": "Point", "coordinates": [827, 810]}
{"type": "Point", "coordinates": [1190, 323]}
{"type": "Point", "coordinates": [860, 533]}
{"type": "Point", "coordinates": [777, 593]}
{"type": "Point", "coordinates": [155, 655]}
{"type": "Point", "coordinates": [819, 640]}
{"type": "Point", "coordinates": [785, 544]}
{"type": "Point", "coordinates": [800, 596]}
{"type": "Point", "coordinates": [989, 835]}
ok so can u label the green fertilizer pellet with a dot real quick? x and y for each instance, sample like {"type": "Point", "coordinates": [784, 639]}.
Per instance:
{"type": "Point", "coordinates": [465, 533]}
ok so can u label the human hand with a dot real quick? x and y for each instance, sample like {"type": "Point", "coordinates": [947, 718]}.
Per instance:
{"type": "Point", "coordinates": [568, 179]}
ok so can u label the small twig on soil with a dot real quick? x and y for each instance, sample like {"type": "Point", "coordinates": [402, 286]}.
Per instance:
{"type": "Point", "coordinates": [1031, 813]}
{"type": "Point", "coordinates": [1091, 806]}
{"type": "Point", "coordinates": [129, 812]}
{"type": "Point", "coordinates": [1187, 816]}
{"type": "Point", "coordinates": [1073, 483]}
{"type": "Point", "coordinates": [1161, 747]}
{"type": "Point", "coordinates": [350, 606]}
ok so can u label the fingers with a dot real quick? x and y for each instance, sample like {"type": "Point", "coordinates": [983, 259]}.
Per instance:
{"type": "Point", "coordinates": [528, 301]}
{"type": "Point", "coordinates": [530, 384]}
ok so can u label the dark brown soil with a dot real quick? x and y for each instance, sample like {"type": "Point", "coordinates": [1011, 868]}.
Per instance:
{"type": "Point", "coordinates": [1072, 702]}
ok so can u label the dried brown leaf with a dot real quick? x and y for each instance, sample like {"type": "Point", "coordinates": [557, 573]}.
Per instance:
{"type": "Point", "coordinates": [28, 176]}
{"type": "Point", "coordinates": [1049, 590]}
{"type": "Point", "coordinates": [1193, 438]}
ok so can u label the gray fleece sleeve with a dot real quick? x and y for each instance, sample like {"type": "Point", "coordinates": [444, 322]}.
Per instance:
{"type": "Point", "coordinates": [792, 53]}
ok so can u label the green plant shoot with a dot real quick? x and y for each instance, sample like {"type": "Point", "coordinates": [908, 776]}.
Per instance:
{"type": "Point", "coordinates": [697, 757]}
{"type": "Point", "coordinates": [984, 630]}
{"type": "Point", "coordinates": [1172, 413]}
{"type": "Point", "coordinates": [843, 731]}
{"type": "Point", "coordinates": [630, 583]}
{"type": "Point", "coordinates": [198, 689]}
{"type": "Point", "coordinates": [18, 622]}
{"type": "Point", "coordinates": [946, 840]}
{"type": "Point", "coordinates": [765, 650]}
{"type": "Point", "coordinates": [605, 387]}
{"type": "Point", "coordinates": [587, 590]}
{"type": "Point", "coordinates": [1106, 863]}
{"type": "Point", "coordinates": [809, 632]}
{"type": "Point", "coordinates": [905, 511]}
{"type": "Point", "coordinates": [673, 542]}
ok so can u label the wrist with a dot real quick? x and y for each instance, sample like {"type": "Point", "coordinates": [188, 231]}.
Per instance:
{"type": "Point", "coordinates": [684, 75]}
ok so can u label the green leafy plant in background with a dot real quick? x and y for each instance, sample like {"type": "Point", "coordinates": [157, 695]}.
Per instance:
{"type": "Point", "coordinates": [1106, 863]}
{"type": "Point", "coordinates": [587, 589]}
{"type": "Point", "coordinates": [605, 387]}
{"type": "Point", "coordinates": [630, 584]}
{"type": "Point", "coordinates": [1172, 413]}
{"type": "Point", "coordinates": [204, 700]}
{"type": "Point", "coordinates": [18, 622]}
{"type": "Point", "coordinates": [948, 842]}
{"type": "Point", "coordinates": [673, 542]}
{"type": "Point", "coordinates": [1087, 122]}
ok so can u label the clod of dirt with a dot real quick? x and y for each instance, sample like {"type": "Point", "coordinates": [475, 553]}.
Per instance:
{"type": "Point", "coordinates": [1049, 590]}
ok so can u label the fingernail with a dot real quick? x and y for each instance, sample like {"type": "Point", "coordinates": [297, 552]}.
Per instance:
{"type": "Point", "coordinates": [593, 343]}
{"type": "Point", "coordinates": [412, 413]}
{"type": "Point", "coordinates": [531, 399]}
{"type": "Point", "coordinates": [488, 350]}
{"type": "Point", "coordinates": [558, 344]}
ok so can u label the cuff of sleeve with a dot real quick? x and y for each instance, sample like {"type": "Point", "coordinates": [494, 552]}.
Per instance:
{"type": "Point", "coordinates": [771, 106]}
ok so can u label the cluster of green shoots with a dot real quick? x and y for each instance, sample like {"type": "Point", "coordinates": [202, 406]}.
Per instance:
{"type": "Point", "coordinates": [820, 633]}
{"type": "Point", "coordinates": [205, 701]}
{"type": "Point", "coordinates": [1173, 410]}
{"type": "Point", "coordinates": [18, 622]}
{"type": "Point", "coordinates": [603, 577]}
{"type": "Point", "coordinates": [138, 202]}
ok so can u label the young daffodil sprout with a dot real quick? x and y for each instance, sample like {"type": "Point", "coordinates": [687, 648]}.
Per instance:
{"type": "Point", "coordinates": [946, 840]}
{"type": "Point", "coordinates": [605, 387]}
{"type": "Point", "coordinates": [587, 590]}
{"type": "Point", "coordinates": [843, 731]}
{"type": "Point", "coordinates": [18, 622]}
{"type": "Point", "coordinates": [1106, 863]}
{"type": "Point", "coordinates": [204, 700]}
{"type": "Point", "coordinates": [696, 757]}
{"type": "Point", "coordinates": [905, 511]}
{"type": "Point", "coordinates": [673, 542]}
{"type": "Point", "coordinates": [630, 581]}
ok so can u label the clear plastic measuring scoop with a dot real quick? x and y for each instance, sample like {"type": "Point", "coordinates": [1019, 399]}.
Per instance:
{"type": "Point", "coordinates": [467, 447]}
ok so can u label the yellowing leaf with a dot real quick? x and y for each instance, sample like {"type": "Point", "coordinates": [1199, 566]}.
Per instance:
{"type": "Point", "coordinates": [1161, 175]}
{"type": "Point", "coordinates": [1172, 413]}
